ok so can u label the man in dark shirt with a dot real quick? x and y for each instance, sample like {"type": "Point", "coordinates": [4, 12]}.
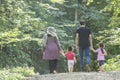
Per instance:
{"type": "Point", "coordinates": [84, 44]}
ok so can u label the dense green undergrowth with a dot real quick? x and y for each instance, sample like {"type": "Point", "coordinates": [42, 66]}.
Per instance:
{"type": "Point", "coordinates": [18, 73]}
{"type": "Point", "coordinates": [113, 64]}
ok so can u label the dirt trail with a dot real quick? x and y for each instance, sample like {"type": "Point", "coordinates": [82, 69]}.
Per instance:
{"type": "Point", "coordinates": [78, 76]}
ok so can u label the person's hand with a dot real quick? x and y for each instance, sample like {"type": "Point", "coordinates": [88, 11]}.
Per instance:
{"type": "Point", "coordinates": [75, 61]}
{"type": "Point", "coordinates": [105, 54]}
{"type": "Point", "coordinates": [91, 48]}
{"type": "Point", "coordinates": [62, 52]}
{"type": "Point", "coordinates": [77, 48]}
{"type": "Point", "coordinates": [44, 49]}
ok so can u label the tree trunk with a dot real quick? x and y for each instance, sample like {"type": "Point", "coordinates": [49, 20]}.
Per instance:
{"type": "Point", "coordinates": [76, 13]}
{"type": "Point", "coordinates": [76, 16]}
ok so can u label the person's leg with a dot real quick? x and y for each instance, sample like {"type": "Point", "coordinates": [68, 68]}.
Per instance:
{"type": "Point", "coordinates": [55, 65]}
{"type": "Point", "coordinates": [51, 66]}
{"type": "Point", "coordinates": [68, 66]}
{"type": "Point", "coordinates": [100, 66]}
{"type": "Point", "coordinates": [102, 63]}
{"type": "Point", "coordinates": [71, 69]}
{"type": "Point", "coordinates": [87, 52]}
{"type": "Point", "coordinates": [72, 65]}
{"type": "Point", "coordinates": [81, 58]}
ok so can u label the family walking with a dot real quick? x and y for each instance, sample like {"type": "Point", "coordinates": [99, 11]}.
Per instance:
{"type": "Point", "coordinates": [52, 49]}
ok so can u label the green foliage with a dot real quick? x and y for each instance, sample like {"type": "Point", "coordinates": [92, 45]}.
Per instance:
{"type": "Point", "coordinates": [113, 64]}
{"type": "Point", "coordinates": [18, 73]}
{"type": "Point", "coordinates": [23, 23]}
{"type": "Point", "coordinates": [25, 71]}
{"type": "Point", "coordinates": [110, 37]}
{"type": "Point", "coordinates": [58, 1]}
{"type": "Point", "coordinates": [113, 7]}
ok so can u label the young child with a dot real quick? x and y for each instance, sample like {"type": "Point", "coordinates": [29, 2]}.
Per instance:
{"type": "Point", "coordinates": [101, 56]}
{"type": "Point", "coordinates": [71, 58]}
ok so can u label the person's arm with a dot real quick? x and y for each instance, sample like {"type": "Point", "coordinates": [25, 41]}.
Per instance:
{"type": "Point", "coordinates": [90, 40]}
{"type": "Point", "coordinates": [75, 60]}
{"type": "Point", "coordinates": [58, 43]}
{"type": "Point", "coordinates": [62, 52]}
{"type": "Point", "coordinates": [77, 37]}
{"type": "Point", "coordinates": [95, 51]}
{"type": "Point", "coordinates": [44, 41]}
{"type": "Point", "coordinates": [105, 53]}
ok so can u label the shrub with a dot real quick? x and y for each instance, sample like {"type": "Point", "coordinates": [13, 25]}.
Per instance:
{"type": "Point", "coordinates": [112, 64]}
{"type": "Point", "coordinates": [18, 73]}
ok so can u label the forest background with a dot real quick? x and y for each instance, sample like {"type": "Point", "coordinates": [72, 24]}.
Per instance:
{"type": "Point", "coordinates": [24, 22]}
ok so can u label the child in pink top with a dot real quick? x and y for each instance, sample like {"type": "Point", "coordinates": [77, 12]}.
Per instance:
{"type": "Point", "coordinates": [71, 58]}
{"type": "Point", "coordinates": [101, 56]}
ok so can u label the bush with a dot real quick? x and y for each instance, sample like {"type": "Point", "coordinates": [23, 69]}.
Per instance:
{"type": "Point", "coordinates": [112, 64]}
{"type": "Point", "coordinates": [18, 73]}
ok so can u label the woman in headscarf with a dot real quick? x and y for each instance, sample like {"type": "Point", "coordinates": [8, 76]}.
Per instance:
{"type": "Point", "coordinates": [52, 48]}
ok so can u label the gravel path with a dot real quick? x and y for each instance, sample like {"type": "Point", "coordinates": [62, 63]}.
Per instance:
{"type": "Point", "coordinates": [78, 76]}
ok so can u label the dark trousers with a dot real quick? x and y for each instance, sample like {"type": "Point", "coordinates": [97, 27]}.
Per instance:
{"type": "Point", "coordinates": [52, 65]}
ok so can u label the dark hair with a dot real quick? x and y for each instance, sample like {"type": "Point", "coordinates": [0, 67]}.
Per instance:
{"type": "Point", "coordinates": [82, 22]}
{"type": "Point", "coordinates": [70, 48]}
{"type": "Point", "coordinates": [101, 46]}
{"type": "Point", "coordinates": [49, 35]}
